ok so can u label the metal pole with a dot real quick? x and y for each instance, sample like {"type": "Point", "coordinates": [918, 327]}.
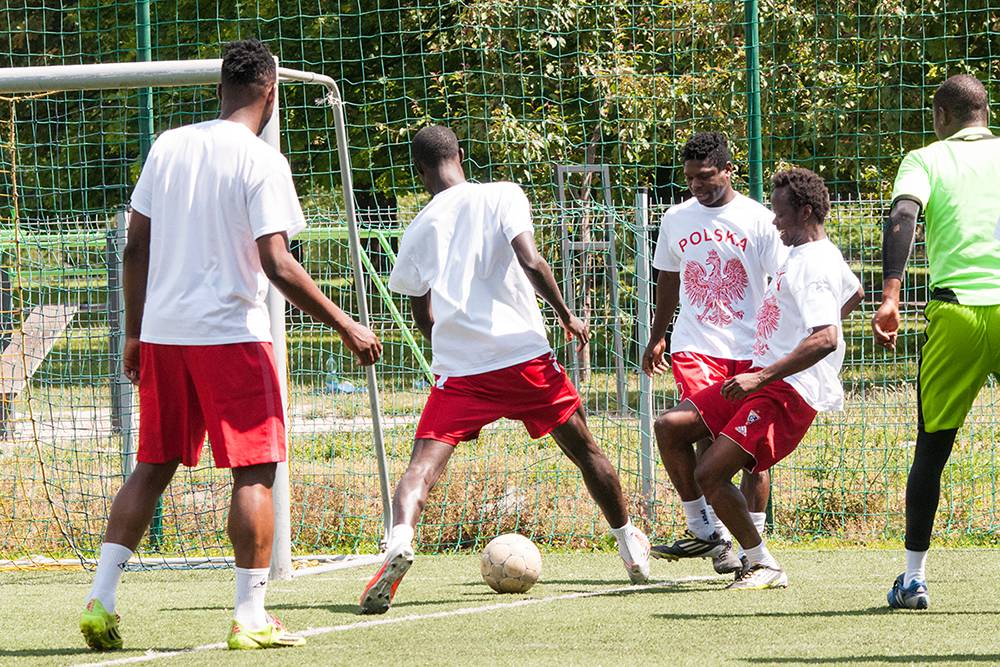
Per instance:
{"type": "Point", "coordinates": [754, 128]}
{"type": "Point", "coordinates": [121, 387]}
{"type": "Point", "coordinates": [281, 550]}
{"type": "Point", "coordinates": [647, 464]}
{"type": "Point", "coordinates": [359, 285]}
{"type": "Point", "coordinates": [753, 100]}
{"type": "Point", "coordinates": [144, 53]}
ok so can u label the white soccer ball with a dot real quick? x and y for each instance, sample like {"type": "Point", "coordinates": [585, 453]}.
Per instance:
{"type": "Point", "coordinates": [510, 563]}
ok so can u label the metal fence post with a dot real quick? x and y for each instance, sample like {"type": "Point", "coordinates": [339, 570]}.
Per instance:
{"type": "Point", "coordinates": [121, 388]}
{"type": "Point", "coordinates": [647, 462]}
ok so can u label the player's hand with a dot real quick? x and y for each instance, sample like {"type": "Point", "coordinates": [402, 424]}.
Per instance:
{"type": "Point", "coordinates": [578, 329]}
{"type": "Point", "coordinates": [654, 359]}
{"type": "Point", "coordinates": [130, 359]}
{"type": "Point", "coordinates": [738, 386]}
{"type": "Point", "coordinates": [885, 324]}
{"type": "Point", "coordinates": [363, 343]}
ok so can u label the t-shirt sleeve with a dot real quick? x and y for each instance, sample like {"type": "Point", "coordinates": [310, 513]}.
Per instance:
{"type": "Point", "coordinates": [818, 298]}
{"type": "Point", "coordinates": [772, 252]}
{"type": "Point", "coordinates": [912, 180]}
{"type": "Point", "coordinates": [272, 203]}
{"type": "Point", "coordinates": [515, 213]}
{"type": "Point", "coordinates": [664, 258]}
{"type": "Point", "coordinates": [406, 277]}
{"type": "Point", "coordinates": [849, 283]}
{"type": "Point", "coordinates": [142, 195]}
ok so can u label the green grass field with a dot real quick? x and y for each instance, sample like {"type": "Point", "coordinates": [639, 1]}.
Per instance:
{"type": "Point", "coordinates": [581, 612]}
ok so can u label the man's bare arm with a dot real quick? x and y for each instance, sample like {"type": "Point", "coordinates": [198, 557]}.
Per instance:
{"type": "Point", "coordinates": [288, 276]}
{"type": "Point", "coordinates": [821, 342]}
{"type": "Point", "coordinates": [852, 303]}
{"type": "Point", "coordinates": [422, 314]}
{"type": "Point", "coordinates": [540, 275]}
{"type": "Point", "coordinates": [136, 275]}
{"type": "Point", "coordinates": [668, 294]}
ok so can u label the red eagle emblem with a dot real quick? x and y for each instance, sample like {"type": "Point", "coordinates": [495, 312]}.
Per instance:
{"type": "Point", "coordinates": [715, 292]}
{"type": "Point", "coordinates": [768, 317]}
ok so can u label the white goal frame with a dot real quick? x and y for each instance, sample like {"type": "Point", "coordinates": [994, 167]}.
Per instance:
{"type": "Point", "coordinates": [172, 73]}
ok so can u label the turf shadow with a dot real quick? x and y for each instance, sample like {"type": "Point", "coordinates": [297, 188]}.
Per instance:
{"type": "Point", "coordinates": [867, 611]}
{"type": "Point", "coordinates": [921, 659]}
{"type": "Point", "coordinates": [45, 652]}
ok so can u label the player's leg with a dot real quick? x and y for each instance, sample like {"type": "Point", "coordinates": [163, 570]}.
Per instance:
{"type": "Point", "coordinates": [239, 393]}
{"type": "Point", "coordinates": [676, 432]}
{"type": "Point", "coordinates": [951, 373]}
{"type": "Point", "coordinates": [170, 423]}
{"type": "Point", "coordinates": [714, 474]}
{"type": "Point", "coordinates": [694, 372]}
{"type": "Point", "coordinates": [455, 412]}
{"type": "Point", "coordinates": [427, 463]}
{"type": "Point", "coordinates": [766, 426]}
{"type": "Point", "coordinates": [131, 513]}
{"type": "Point", "coordinates": [756, 488]}
{"type": "Point", "coordinates": [576, 441]}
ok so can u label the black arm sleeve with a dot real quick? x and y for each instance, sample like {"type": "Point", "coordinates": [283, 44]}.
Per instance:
{"type": "Point", "coordinates": [897, 237]}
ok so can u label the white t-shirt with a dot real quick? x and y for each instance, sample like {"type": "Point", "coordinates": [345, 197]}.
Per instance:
{"type": "Point", "coordinates": [807, 292]}
{"type": "Point", "coordinates": [486, 315]}
{"type": "Point", "coordinates": [210, 190]}
{"type": "Point", "coordinates": [724, 255]}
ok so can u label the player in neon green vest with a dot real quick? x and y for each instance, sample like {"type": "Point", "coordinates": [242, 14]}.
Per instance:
{"type": "Point", "coordinates": [954, 182]}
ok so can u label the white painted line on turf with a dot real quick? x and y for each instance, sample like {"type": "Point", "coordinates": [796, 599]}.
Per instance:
{"type": "Point", "coordinates": [360, 625]}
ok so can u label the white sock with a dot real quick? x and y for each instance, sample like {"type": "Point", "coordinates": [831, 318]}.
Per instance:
{"type": "Point", "coordinates": [698, 523]}
{"type": "Point", "coordinates": [251, 586]}
{"type": "Point", "coordinates": [760, 554]}
{"type": "Point", "coordinates": [915, 562]}
{"type": "Point", "coordinates": [759, 521]}
{"type": "Point", "coordinates": [110, 566]}
{"type": "Point", "coordinates": [718, 526]}
{"type": "Point", "coordinates": [400, 536]}
{"type": "Point", "coordinates": [629, 546]}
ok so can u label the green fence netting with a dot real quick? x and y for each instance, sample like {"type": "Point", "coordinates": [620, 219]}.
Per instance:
{"type": "Point", "coordinates": [845, 89]}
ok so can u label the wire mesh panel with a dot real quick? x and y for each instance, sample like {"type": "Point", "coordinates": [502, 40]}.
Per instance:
{"type": "Point", "coordinates": [845, 90]}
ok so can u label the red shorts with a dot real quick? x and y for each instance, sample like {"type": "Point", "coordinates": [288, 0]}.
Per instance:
{"type": "Point", "coordinates": [694, 372]}
{"type": "Point", "coordinates": [767, 424]}
{"type": "Point", "coordinates": [535, 392]}
{"type": "Point", "coordinates": [229, 391]}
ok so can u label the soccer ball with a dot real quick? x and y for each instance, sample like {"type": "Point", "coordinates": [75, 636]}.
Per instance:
{"type": "Point", "coordinates": [510, 563]}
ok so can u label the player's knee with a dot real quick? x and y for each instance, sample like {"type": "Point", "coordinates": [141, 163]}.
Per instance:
{"type": "Point", "coordinates": [669, 428]}
{"type": "Point", "coordinates": [708, 478]}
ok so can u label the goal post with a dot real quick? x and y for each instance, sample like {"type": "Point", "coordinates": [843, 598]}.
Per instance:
{"type": "Point", "coordinates": [154, 74]}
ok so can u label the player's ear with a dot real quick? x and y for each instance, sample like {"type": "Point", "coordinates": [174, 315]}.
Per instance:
{"type": "Point", "coordinates": [218, 91]}
{"type": "Point", "coordinates": [461, 154]}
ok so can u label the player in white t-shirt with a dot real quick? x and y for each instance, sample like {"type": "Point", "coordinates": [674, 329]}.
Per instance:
{"type": "Point", "coordinates": [758, 417]}
{"type": "Point", "coordinates": [714, 255]}
{"type": "Point", "coordinates": [211, 216]}
{"type": "Point", "coordinates": [469, 264]}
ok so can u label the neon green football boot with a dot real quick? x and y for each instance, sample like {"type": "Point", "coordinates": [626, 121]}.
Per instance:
{"type": "Point", "coordinates": [100, 627]}
{"type": "Point", "coordinates": [272, 635]}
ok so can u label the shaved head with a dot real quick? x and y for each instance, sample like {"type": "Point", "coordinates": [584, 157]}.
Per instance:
{"type": "Point", "coordinates": [433, 145]}
{"type": "Point", "coordinates": [964, 98]}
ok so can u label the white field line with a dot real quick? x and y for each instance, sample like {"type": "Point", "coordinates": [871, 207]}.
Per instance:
{"type": "Point", "coordinates": [392, 620]}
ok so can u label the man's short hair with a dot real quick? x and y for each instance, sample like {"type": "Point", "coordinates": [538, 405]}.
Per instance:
{"type": "Point", "coordinates": [964, 97]}
{"type": "Point", "coordinates": [804, 187]}
{"type": "Point", "coordinates": [712, 148]}
{"type": "Point", "coordinates": [433, 145]}
{"type": "Point", "coordinates": [247, 62]}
